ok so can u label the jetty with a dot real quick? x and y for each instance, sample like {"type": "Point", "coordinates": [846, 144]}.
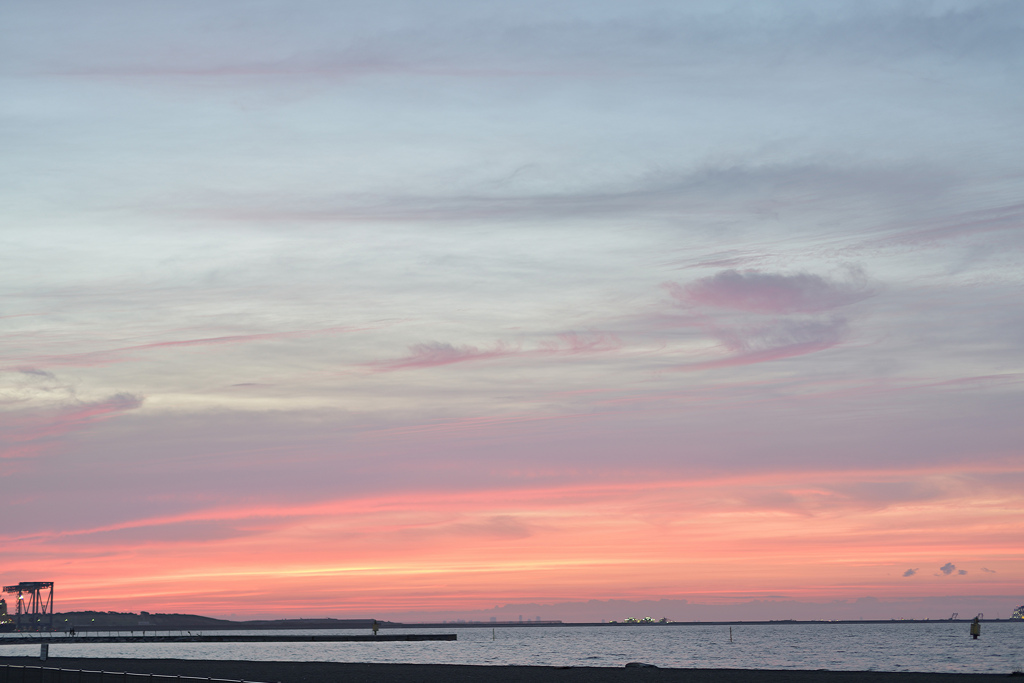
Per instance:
{"type": "Point", "coordinates": [64, 639]}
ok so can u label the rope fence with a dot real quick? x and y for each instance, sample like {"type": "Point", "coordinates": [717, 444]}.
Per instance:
{"type": "Point", "coordinates": [15, 673]}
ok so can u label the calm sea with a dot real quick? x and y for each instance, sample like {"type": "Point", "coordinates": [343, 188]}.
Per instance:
{"type": "Point", "coordinates": [934, 647]}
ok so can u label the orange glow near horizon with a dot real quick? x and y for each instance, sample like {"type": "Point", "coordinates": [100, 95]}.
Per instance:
{"type": "Point", "coordinates": [425, 320]}
{"type": "Point", "coordinates": [796, 535]}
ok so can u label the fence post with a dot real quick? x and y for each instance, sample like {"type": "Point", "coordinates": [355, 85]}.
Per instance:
{"type": "Point", "coordinates": [44, 651]}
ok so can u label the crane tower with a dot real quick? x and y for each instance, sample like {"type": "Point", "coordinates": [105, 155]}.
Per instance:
{"type": "Point", "coordinates": [32, 608]}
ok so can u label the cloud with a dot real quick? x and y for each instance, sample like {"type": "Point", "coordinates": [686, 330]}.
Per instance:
{"type": "Point", "coordinates": [766, 356]}
{"type": "Point", "coordinates": [758, 292]}
{"type": "Point", "coordinates": [988, 571]}
{"type": "Point", "coordinates": [573, 342]}
{"type": "Point", "coordinates": [433, 354]}
{"type": "Point", "coordinates": [783, 334]}
{"type": "Point", "coordinates": [37, 373]}
{"type": "Point", "coordinates": [526, 192]}
{"type": "Point", "coordinates": [775, 341]}
{"type": "Point", "coordinates": [910, 572]}
{"type": "Point", "coordinates": [598, 36]}
{"type": "Point", "coordinates": [32, 386]}
{"type": "Point", "coordinates": [795, 301]}
{"type": "Point", "coordinates": [26, 437]}
{"type": "Point", "coordinates": [188, 532]}
{"type": "Point", "coordinates": [948, 568]}
{"type": "Point", "coordinates": [498, 526]}
{"type": "Point", "coordinates": [1002, 218]}
{"type": "Point", "coordinates": [961, 572]}
{"type": "Point", "coordinates": [124, 353]}
{"type": "Point", "coordinates": [115, 404]}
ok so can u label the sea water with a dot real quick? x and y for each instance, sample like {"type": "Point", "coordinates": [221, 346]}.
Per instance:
{"type": "Point", "coordinates": [926, 647]}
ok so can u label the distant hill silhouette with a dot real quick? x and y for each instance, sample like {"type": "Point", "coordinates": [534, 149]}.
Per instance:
{"type": "Point", "coordinates": [129, 621]}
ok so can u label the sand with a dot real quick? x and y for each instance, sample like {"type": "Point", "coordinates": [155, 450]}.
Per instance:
{"type": "Point", "coordinates": [331, 672]}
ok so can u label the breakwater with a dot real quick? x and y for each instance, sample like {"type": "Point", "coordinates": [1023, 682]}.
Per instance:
{"type": "Point", "coordinates": [56, 639]}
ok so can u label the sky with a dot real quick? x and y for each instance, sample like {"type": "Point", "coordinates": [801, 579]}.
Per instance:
{"type": "Point", "coordinates": [423, 310]}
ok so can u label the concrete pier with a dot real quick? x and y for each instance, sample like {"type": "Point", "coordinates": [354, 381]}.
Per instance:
{"type": "Point", "coordinates": [56, 639]}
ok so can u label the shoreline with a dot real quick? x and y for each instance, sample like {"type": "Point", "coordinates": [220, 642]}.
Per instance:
{"type": "Point", "coordinates": [182, 622]}
{"type": "Point", "coordinates": [332, 672]}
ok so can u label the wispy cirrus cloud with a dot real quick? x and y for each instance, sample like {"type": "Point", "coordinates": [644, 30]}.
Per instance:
{"type": "Point", "coordinates": [29, 385]}
{"type": "Point", "coordinates": [773, 293]}
{"type": "Point", "coordinates": [763, 356]}
{"type": "Point", "coordinates": [573, 342]}
{"type": "Point", "coordinates": [1004, 218]}
{"type": "Point", "coordinates": [125, 353]}
{"type": "Point", "coordinates": [28, 434]}
{"type": "Point", "coordinates": [780, 335]}
{"type": "Point", "coordinates": [736, 190]}
{"type": "Point", "coordinates": [802, 493]}
{"type": "Point", "coordinates": [435, 354]}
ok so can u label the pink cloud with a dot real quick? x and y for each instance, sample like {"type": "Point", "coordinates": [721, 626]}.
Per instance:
{"type": "Point", "coordinates": [775, 340]}
{"type": "Point", "coordinates": [573, 342]}
{"type": "Point", "coordinates": [102, 409]}
{"type": "Point", "coordinates": [28, 436]}
{"type": "Point", "coordinates": [434, 354]}
{"type": "Point", "coordinates": [123, 353]}
{"type": "Point", "coordinates": [473, 424]}
{"type": "Point", "coordinates": [788, 298]}
{"type": "Point", "coordinates": [758, 292]}
{"type": "Point", "coordinates": [576, 540]}
{"type": "Point", "coordinates": [764, 356]}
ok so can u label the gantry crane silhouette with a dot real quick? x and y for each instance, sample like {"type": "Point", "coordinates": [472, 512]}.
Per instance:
{"type": "Point", "coordinates": [32, 608]}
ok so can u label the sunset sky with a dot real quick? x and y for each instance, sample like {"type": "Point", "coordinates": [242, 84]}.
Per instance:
{"type": "Point", "coordinates": [422, 310]}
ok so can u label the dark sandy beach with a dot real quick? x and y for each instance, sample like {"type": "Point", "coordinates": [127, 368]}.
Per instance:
{"type": "Point", "coordinates": [331, 672]}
